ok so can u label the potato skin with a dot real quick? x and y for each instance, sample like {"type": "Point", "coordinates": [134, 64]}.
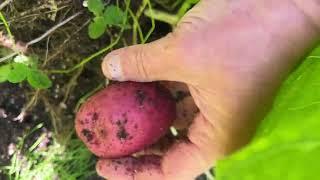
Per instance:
{"type": "Point", "coordinates": [125, 118]}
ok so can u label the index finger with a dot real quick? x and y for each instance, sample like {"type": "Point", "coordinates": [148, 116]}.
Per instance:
{"type": "Point", "coordinates": [184, 161]}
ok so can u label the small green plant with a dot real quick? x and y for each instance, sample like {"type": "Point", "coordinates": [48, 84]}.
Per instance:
{"type": "Point", "coordinates": [104, 16]}
{"type": "Point", "coordinates": [23, 68]}
{"type": "Point", "coordinates": [20, 67]}
{"type": "Point", "coordinates": [70, 161]}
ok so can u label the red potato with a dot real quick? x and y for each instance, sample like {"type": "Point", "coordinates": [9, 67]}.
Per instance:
{"type": "Point", "coordinates": [125, 118]}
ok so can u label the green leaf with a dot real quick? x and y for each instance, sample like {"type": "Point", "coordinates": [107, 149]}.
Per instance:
{"type": "Point", "coordinates": [113, 15]}
{"type": "Point", "coordinates": [4, 72]}
{"type": "Point", "coordinates": [97, 27]}
{"type": "Point", "coordinates": [96, 7]}
{"type": "Point", "coordinates": [193, 1]}
{"type": "Point", "coordinates": [287, 144]}
{"type": "Point", "coordinates": [21, 59]}
{"type": "Point", "coordinates": [33, 61]}
{"type": "Point", "coordinates": [18, 72]}
{"type": "Point", "coordinates": [38, 79]}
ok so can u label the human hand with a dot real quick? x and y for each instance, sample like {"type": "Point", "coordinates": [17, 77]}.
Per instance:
{"type": "Point", "coordinates": [233, 55]}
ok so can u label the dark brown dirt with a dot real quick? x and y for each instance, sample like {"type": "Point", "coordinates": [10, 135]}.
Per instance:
{"type": "Point", "coordinates": [12, 100]}
{"type": "Point", "coordinates": [140, 97]}
{"type": "Point", "coordinates": [180, 95]}
{"type": "Point", "coordinates": [122, 133]}
{"type": "Point", "coordinates": [88, 134]}
{"type": "Point", "coordinates": [64, 48]}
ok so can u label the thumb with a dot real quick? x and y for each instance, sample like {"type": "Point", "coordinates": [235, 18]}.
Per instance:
{"type": "Point", "coordinates": [149, 62]}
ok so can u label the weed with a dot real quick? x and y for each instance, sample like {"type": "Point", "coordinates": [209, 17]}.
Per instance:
{"type": "Point", "coordinates": [20, 66]}
{"type": "Point", "coordinates": [105, 16]}
{"type": "Point", "coordinates": [71, 161]}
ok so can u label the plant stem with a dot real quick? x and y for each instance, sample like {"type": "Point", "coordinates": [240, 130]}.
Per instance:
{"type": "Point", "coordinates": [96, 54]}
{"type": "Point", "coordinates": [153, 24]}
{"type": "Point", "coordinates": [163, 16]}
{"type": "Point", "coordinates": [87, 59]}
{"type": "Point", "coordinates": [3, 19]}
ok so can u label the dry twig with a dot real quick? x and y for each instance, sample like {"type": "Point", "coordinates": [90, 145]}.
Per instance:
{"type": "Point", "coordinates": [4, 4]}
{"type": "Point", "coordinates": [51, 30]}
{"type": "Point", "coordinates": [19, 47]}
{"type": "Point", "coordinates": [30, 104]}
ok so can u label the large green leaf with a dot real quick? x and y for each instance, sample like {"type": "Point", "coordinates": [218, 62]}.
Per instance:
{"type": "Point", "coordinates": [18, 72]}
{"type": "Point", "coordinates": [287, 144]}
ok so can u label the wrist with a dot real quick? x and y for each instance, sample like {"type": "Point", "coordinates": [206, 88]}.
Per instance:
{"type": "Point", "coordinates": [311, 9]}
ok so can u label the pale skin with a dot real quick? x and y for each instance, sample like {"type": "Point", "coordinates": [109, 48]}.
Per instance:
{"type": "Point", "coordinates": [233, 55]}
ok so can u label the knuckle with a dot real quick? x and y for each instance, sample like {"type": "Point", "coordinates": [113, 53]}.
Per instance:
{"type": "Point", "coordinates": [140, 58]}
{"type": "Point", "coordinates": [193, 22]}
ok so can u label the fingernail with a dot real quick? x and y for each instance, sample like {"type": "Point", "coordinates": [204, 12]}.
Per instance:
{"type": "Point", "coordinates": [112, 67]}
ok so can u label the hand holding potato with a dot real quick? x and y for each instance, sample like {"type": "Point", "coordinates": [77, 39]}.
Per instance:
{"type": "Point", "coordinates": [233, 55]}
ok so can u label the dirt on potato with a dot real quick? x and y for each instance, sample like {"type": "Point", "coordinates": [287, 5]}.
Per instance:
{"type": "Point", "coordinates": [125, 118]}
